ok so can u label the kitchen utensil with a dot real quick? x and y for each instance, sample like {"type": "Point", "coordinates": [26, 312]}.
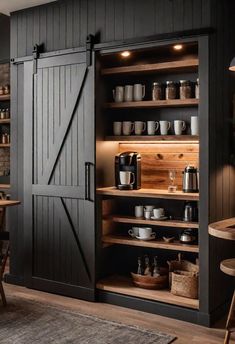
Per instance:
{"type": "Point", "coordinates": [118, 94]}
{"type": "Point", "coordinates": [128, 93]}
{"type": "Point", "coordinates": [187, 237]}
{"type": "Point", "coordinates": [139, 127]}
{"type": "Point", "coordinates": [146, 233]}
{"type": "Point", "coordinates": [190, 179]}
{"type": "Point", "coordinates": [194, 125]}
{"type": "Point", "coordinates": [117, 128]}
{"type": "Point", "coordinates": [127, 128]}
{"type": "Point", "coordinates": [139, 92]}
{"type": "Point", "coordinates": [134, 232]}
{"type": "Point", "coordinates": [139, 211]}
{"type": "Point", "coordinates": [168, 239]}
{"type": "Point", "coordinates": [152, 127]}
{"type": "Point", "coordinates": [164, 127]}
{"type": "Point", "coordinates": [179, 126]}
{"type": "Point", "coordinates": [158, 212]}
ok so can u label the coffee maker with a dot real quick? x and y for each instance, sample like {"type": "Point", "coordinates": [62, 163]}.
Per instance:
{"type": "Point", "coordinates": [128, 171]}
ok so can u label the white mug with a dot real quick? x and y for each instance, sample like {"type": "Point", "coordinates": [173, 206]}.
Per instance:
{"type": "Point", "coordinates": [117, 128]}
{"type": "Point", "coordinates": [127, 127]}
{"type": "Point", "coordinates": [148, 214]}
{"type": "Point", "coordinates": [139, 92]}
{"type": "Point", "coordinates": [134, 232]}
{"type": "Point", "coordinates": [118, 94]}
{"type": "Point", "coordinates": [125, 178]}
{"type": "Point", "coordinates": [139, 127]}
{"type": "Point", "coordinates": [139, 211]}
{"type": "Point", "coordinates": [146, 232]}
{"type": "Point", "coordinates": [158, 212]}
{"type": "Point", "coordinates": [149, 207]}
{"type": "Point", "coordinates": [128, 93]}
{"type": "Point", "coordinates": [179, 126]}
{"type": "Point", "coordinates": [152, 127]}
{"type": "Point", "coordinates": [194, 125]}
{"type": "Point", "coordinates": [164, 127]}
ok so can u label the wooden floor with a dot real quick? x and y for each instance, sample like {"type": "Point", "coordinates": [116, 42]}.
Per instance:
{"type": "Point", "coordinates": [185, 332]}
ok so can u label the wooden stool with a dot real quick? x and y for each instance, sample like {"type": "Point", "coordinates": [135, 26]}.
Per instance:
{"type": "Point", "coordinates": [228, 267]}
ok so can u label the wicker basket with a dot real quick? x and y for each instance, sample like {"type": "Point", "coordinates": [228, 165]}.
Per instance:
{"type": "Point", "coordinates": [185, 283]}
{"type": "Point", "coordinates": [183, 278]}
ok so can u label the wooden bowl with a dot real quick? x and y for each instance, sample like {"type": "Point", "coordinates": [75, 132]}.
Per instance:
{"type": "Point", "coordinates": [150, 282]}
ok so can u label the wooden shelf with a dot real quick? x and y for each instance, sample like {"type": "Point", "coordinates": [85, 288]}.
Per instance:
{"type": "Point", "coordinates": [165, 223]}
{"type": "Point", "coordinates": [5, 121]}
{"type": "Point", "coordinates": [124, 240]}
{"type": "Point", "coordinates": [154, 104]}
{"type": "Point", "coordinates": [4, 97]}
{"type": "Point", "coordinates": [154, 138]}
{"type": "Point", "coordinates": [4, 145]}
{"type": "Point", "coordinates": [123, 285]}
{"type": "Point", "coordinates": [172, 66]}
{"type": "Point", "coordinates": [5, 186]}
{"type": "Point", "coordinates": [152, 193]}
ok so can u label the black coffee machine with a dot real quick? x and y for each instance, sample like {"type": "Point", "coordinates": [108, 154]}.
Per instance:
{"type": "Point", "coordinates": [128, 162]}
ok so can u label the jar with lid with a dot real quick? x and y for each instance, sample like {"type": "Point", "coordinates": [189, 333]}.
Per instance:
{"type": "Point", "coordinates": [157, 93]}
{"type": "Point", "coordinates": [197, 89]}
{"type": "Point", "coordinates": [170, 90]}
{"type": "Point", "coordinates": [2, 113]}
{"type": "Point", "coordinates": [185, 89]}
{"type": "Point", "coordinates": [7, 113]}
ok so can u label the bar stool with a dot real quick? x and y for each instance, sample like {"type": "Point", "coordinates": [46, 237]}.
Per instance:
{"type": "Point", "coordinates": [228, 267]}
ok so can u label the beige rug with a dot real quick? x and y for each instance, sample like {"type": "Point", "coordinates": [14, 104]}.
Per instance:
{"type": "Point", "coordinates": [31, 322]}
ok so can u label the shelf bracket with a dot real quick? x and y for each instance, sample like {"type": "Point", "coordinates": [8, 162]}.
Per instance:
{"type": "Point", "coordinates": [89, 47]}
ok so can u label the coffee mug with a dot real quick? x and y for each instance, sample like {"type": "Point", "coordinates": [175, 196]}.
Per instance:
{"type": "Point", "coordinates": [118, 94]}
{"type": "Point", "coordinates": [179, 126]}
{"type": "Point", "coordinates": [125, 177]}
{"type": "Point", "coordinates": [139, 92]}
{"type": "Point", "coordinates": [152, 127]}
{"type": "Point", "coordinates": [146, 232]}
{"type": "Point", "coordinates": [164, 127]}
{"type": "Point", "coordinates": [158, 212]}
{"type": "Point", "coordinates": [139, 127]}
{"type": "Point", "coordinates": [148, 214]}
{"type": "Point", "coordinates": [139, 211]}
{"type": "Point", "coordinates": [128, 93]}
{"type": "Point", "coordinates": [117, 128]}
{"type": "Point", "coordinates": [194, 125]}
{"type": "Point", "coordinates": [127, 128]}
{"type": "Point", "coordinates": [149, 207]}
{"type": "Point", "coordinates": [134, 232]}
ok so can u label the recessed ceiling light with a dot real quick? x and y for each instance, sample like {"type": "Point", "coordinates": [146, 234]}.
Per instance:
{"type": "Point", "coordinates": [125, 53]}
{"type": "Point", "coordinates": [178, 46]}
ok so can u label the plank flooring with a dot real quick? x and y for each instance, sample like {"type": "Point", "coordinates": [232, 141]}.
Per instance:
{"type": "Point", "coordinates": [186, 333]}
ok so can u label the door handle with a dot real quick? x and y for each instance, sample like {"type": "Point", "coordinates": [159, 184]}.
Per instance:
{"type": "Point", "coordinates": [88, 181]}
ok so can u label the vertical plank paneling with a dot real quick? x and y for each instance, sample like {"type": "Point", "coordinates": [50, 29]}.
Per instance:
{"type": "Point", "coordinates": [144, 18]}
{"type": "Point", "coordinates": [129, 18]}
{"type": "Point", "coordinates": [119, 19]}
{"type": "Point", "coordinates": [109, 20]}
{"type": "Point", "coordinates": [83, 21]}
{"type": "Point", "coordinates": [69, 24]}
{"type": "Point", "coordinates": [62, 25]}
{"type": "Point", "coordinates": [29, 43]}
{"type": "Point", "coordinates": [49, 28]}
{"type": "Point", "coordinates": [100, 19]}
{"type": "Point", "coordinates": [76, 23]}
{"type": "Point", "coordinates": [43, 24]}
{"type": "Point", "coordinates": [188, 15]}
{"type": "Point", "coordinates": [56, 27]}
{"type": "Point", "coordinates": [178, 15]}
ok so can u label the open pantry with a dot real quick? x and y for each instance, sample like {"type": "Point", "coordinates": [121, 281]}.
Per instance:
{"type": "Point", "coordinates": [162, 154]}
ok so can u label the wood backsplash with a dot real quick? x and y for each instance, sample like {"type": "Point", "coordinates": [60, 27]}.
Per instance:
{"type": "Point", "coordinates": [157, 159]}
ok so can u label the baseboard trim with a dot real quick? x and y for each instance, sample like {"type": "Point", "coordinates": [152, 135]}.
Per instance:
{"type": "Point", "coordinates": [164, 309]}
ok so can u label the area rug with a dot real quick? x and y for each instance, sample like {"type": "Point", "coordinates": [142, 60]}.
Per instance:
{"type": "Point", "coordinates": [32, 322]}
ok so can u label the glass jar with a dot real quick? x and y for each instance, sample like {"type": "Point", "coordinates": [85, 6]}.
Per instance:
{"type": "Point", "coordinates": [2, 113]}
{"type": "Point", "coordinates": [185, 89]}
{"type": "Point", "coordinates": [170, 90]}
{"type": "Point", "coordinates": [157, 91]}
{"type": "Point", "coordinates": [197, 89]}
{"type": "Point", "coordinates": [7, 113]}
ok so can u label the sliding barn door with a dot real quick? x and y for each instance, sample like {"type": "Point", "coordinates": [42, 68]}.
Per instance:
{"type": "Point", "coordinates": [59, 175]}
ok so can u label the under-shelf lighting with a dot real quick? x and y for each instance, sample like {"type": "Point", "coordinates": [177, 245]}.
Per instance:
{"type": "Point", "coordinates": [178, 47]}
{"type": "Point", "coordinates": [232, 65]}
{"type": "Point", "coordinates": [125, 53]}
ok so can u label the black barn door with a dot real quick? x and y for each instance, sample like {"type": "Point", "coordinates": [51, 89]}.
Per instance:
{"type": "Point", "coordinates": [59, 175]}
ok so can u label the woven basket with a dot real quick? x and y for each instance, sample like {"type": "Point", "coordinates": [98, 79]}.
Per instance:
{"type": "Point", "coordinates": [185, 283]}
{"type": "Point", "coordinates": [181, 265]}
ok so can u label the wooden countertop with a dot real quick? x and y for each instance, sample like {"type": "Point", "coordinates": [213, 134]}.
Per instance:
{"type": "Point", "coordinates": [224, 229]}
{"type": "Point", "coordinates": [8, 203]}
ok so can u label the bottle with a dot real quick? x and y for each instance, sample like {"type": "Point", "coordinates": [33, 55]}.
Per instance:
{"type": "Point", "coordinates": [147, 268]}
{"type": "Point", "coordinates": [197, 89]}
{"type": "Point", "coordinates": [139, 269]}
{"type": "Point", "coordinates": [156, 268]}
